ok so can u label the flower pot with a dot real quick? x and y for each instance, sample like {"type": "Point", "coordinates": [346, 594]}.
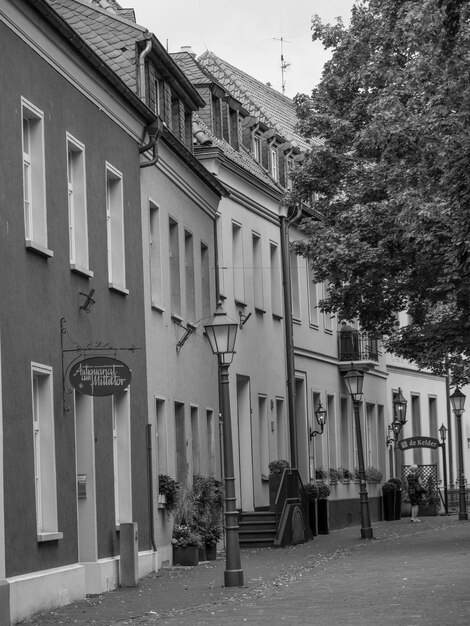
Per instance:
{"type": "Point", "coordinates": [398, 504]}
{"type": "Point", "coordinates": [388, 499]}
{"type": "Point", "coordinates": [186, 555]}
{"type": "Point", "coordinates": [312, 516]}
{"type": "Point", "coordinates": [211, 551]}
{"type": "Point", "coordinates": [323, 517]}
{"type": "Point", "coordinates": [202, 555]}
{"type": "Point", "coordinates": [428, 509]}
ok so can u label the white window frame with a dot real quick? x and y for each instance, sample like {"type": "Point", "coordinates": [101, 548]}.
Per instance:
{"type": "Point", "coordinates": [258, 287]}
{"type": "Point", "coordinates": [45, 480]}
{"type": "Point", "coordinates": [122, 457]}
{"type": "Point", "coordinates": [115, 229]}
{"type": "Point", "coordinates": [77, 206]}
{"type": "Point", "coordinates": [275, 272]}
{"type": "Point", "coordinates": [274, 162]}
{"type": "Point", "coordinates": [238, 266]}
{"type": "Point", "coordinates": [155, 256]}
{"type": "Point", "coordinates": [256, 142]}
{"type": "Point", "coordinates": [34, 178]}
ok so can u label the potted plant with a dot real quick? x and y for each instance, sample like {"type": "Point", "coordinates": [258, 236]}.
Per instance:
{"type": "Point", "coordinates": [346, 475]}
{"type": "Point", "coordinates": [323, 509]}
{"type": "Point", "coordinates": [321, 474]}
{"type": "Point", "coordinates": [429, 504]}
{"type": "Point", "coordinates": [276, 470]}
{"type": "Point", "coordinates": [186, 543]}
{"type": "Point", "coordinates": [208, 497]}
{"type": "Point", "coordinates": [168, 490]}
{"type": "Point", "coordinates": [335, 475]}
{"type": "Point", "coordinates": [373, 475]}
{"type": "Point", "coordinates": [311, 492]}
{"type": "Point", "coordinates": [389, 494]}
{"type": "Point", "coordinates": [399, 487]}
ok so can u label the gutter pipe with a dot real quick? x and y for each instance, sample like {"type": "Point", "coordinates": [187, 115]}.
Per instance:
{"type": "Point", "coordinates": [286, 222]}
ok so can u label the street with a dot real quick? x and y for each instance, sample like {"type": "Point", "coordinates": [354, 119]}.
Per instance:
{"type": "Point", "coordinates": [409, 574]}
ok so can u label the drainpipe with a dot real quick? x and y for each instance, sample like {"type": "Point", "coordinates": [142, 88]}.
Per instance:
{"type": "Point", "coordinates": [142, 55]}
{"type": "Point", "coordinates": [154, 131]}
{"type": "Point", "coordinates": [286, 221]}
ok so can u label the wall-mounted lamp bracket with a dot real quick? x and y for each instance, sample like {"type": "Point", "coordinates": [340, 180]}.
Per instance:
{"type": "Point", "coordinates": [89, 302]}
{"type": "Point", "coordinates": [243, 319]}
{"type": "Point", "coordinates": [190, 329]}
{"type": "Point", "coordinates": [314, 433]}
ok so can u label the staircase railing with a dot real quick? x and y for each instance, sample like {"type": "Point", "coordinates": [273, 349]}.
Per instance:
{"type": "Point", "coordinates": [291, 491]}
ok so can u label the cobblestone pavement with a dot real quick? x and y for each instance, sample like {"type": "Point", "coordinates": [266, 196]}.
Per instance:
{"type": "Point", "coordinates": [408, 575]}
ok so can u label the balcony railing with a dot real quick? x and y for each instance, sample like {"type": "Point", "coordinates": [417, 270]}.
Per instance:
{"type": "Point", "coordinates": [356, 345]}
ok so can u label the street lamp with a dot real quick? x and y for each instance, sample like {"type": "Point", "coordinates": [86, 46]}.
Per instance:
{"type": "Point", "coordinates": [457, 400]}
{"type": "Point", "coordinates": [399, 420]}
{"type": "Point", "coordinates": [320, 416]}
{"type": "Point", "coordinates": [443, 433]}
{"type": "Point", "coordinates": [221, 332]}
{"type": "Point", "coordinates": [354, 381]}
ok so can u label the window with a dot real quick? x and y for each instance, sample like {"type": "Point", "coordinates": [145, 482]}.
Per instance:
{"type": "Point", "coordinates": [257, 147]}
{"type": "Point", "coordinates": [275, 270]}
{"type": "Point", "coordinates": [122, 457]}
{"type": "Point", "coordinates": [195, 446]}
{"type": "Point", "coordinates": [274, 162]}
{"type": "Point", "coordinates": [76, 186]}
{"type": "Point", "coordinates": [327, 317]}
{"type": "Point", "coordinates": [175, 280]}
{"type": "Point", "coordinates": [34, 179]}
{"type": "Point", "coordinates": [155, 253]}
{"type": "Point", "coordinates": [205, 282]}
{"type": "Point", "coordinates": [180, 437]}
{"type": "Point", "coordinates": [289, 171]}
{"type": "Point", "coordinates": [312, 299]}
{"type": "Point", "coordinates": [44, 453]}
{"type": "Point", "coordinates": [331, 431]}
{"type": "Point", "coordinates": [263, 435]}
{"type": "Point", "coordinates": [295, 284]}
{"type": "Point", "coordinates": [115, 223]}
{"type": "Point", "coordinates": [189, 274]}
{"type": "Point", "coordinates": [416, 427]}
{"type": "Point", "coordinates": [176, 118]}
{"type": "Point", "coordinates": [210, 442]}
{"type": "Point", "coordinates": [433, 426]}
{"type": "Point", "coordinates": [281, 429]}
{"type": "Point", "coordinates": [237, 263]}
{"type": "Point", "coordinates": [217, 117]}
{"type": "Point", "coordinates": [162, 435]}
{"type": "Point", "coordinates": [344, 434]}
{"type": "Point", "coordinates": [257, 272]}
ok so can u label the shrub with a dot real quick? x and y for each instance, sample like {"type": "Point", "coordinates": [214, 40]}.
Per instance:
{"type": "Point", "coordinates": [168, 487]}
{"type": "Point", "coordinates": [323, 491]}
{"type": "Point", "coordinates": [277, 467]}
{"type": "Point", "coordinates": [397, 482]}
{"type": "Point", "coordinates": [389, 486]}
{"type": "Point", "coordinates": [335, 474]}
{"type": "Point", "coordinates": [311, 491]}
{"type": "Point", "coordinates": [320, 473]}
{"type": "Point", "coordinates": [184, 536]}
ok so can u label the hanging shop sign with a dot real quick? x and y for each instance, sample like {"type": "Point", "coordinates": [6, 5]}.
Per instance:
{"type": "Point", "coordinates": [100, 376]}
{"type": "Point", "coordinates": [419, 442]}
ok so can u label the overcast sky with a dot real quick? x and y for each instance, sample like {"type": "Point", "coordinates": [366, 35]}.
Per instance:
{"type": "Point", "coordinates": [247, 34]}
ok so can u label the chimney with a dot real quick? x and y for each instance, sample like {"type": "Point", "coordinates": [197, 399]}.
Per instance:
{"type": "Point", "coordinates": [189, 50]}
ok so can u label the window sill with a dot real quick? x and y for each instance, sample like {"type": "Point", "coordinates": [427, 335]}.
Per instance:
{"type": "Point", "coordinates": [49, 536]}
{"type": "Point", "coordinates": [78, 269]}
{"type": "Point", "coordinates": [177, 318]}
{"type": "Point", "coordinates": [277, 316]}
{"type": "Point", "coordinates": [240, 303]}
{"type": "Point", "coordinates": [158, 307]}
{"type": "Point", "coordinates": [118, 289]}
{"type": "Point", "coordinates": [260, 310]}
{"type": "Point", "coordinates": [38, 249]}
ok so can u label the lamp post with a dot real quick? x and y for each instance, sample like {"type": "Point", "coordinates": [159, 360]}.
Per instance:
{"type": "Point", "coordinates": [443, 433]}
{"type": "Point", "coordinates": [399, 412]}
{"type": "Point", "coordinates": [354, 381]}
{"type": "Point", "coordinates": [221, 332]}
{"type": "Point", "coordinates": [457, 400]}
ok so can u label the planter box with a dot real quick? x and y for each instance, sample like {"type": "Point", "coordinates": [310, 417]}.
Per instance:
{"type": "Point", "coordinates": [211, 551]}
{"type": "Point", "coordinates": [398, 504]}
{"type": "Point", "coordinates": [388, 500]}
{"type": "Point", "coordinates": [189, 555]}
{"type": "Point", "coordinates": [202, 555]}
{"type": "Point", "coordinates": [312, 517]}
{"type": "Point", "coordinates": [323, 517]}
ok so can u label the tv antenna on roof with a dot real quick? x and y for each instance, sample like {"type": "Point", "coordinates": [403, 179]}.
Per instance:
{"type": "Point", "coordinates": [284, 65]}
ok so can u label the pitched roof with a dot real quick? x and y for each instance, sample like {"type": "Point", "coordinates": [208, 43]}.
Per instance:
{"type": "Point", "coordinates": [272, 108]}
{"type": "Point", "coordinates": [112, 37]}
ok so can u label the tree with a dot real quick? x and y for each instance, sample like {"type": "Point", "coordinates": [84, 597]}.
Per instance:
{"type": "Point", "coordinates": [391, 176]}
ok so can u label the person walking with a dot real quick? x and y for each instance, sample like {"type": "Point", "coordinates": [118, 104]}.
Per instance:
{"type": "Point", "coordinates": [415, 491]}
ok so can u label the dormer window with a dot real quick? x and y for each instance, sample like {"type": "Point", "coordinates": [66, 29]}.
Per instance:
{"type": "Point", "coordinates": [274, 162]}
{"type": "Point", "coordinates": [217, 117]}
{"type": "Point", "coordinates": [256, 142]}
{"type": "Point", "coordinates": [289, 171]}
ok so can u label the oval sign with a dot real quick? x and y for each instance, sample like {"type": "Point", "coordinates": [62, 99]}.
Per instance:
{"type": "Point", "coordinates": [100, 376]}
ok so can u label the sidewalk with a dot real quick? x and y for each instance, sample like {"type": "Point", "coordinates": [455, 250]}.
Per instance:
{"type": "Point", "coordinates": [339, 563]}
